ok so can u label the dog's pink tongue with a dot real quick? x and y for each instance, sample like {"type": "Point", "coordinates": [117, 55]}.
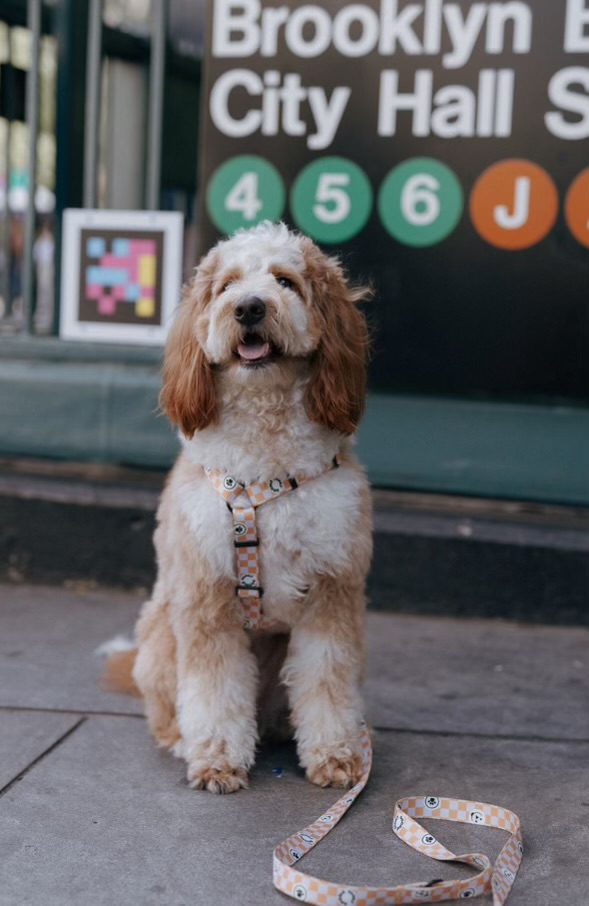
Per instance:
{"type": "Point", "coordinates": [254, 351]}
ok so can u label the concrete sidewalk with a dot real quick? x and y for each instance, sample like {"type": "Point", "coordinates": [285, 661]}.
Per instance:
{"type": "Point", "coordinates": [92, 813]}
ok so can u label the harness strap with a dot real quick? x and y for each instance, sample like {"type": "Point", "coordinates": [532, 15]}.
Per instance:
{"type": "Point", "coordinates": [496, 879]}
{"type": "Point", "coordinates": [243, 500]}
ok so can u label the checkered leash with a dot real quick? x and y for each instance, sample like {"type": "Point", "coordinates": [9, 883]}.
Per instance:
{"type": "Point", "coordinates": [496, 879]}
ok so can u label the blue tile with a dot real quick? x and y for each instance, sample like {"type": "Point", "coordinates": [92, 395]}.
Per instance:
{"type": "Point", "coordinates": [120, 247]}
{"type": "Point", "coordinates": [95, 247]}
{"type": "Point", "coordinates": [133, 292]}
{"type": "Point", "coordinates": [107, 276]}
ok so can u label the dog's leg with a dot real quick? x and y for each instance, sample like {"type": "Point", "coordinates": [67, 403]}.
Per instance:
{"type": "Point", "coordinates": [155, 672]}
{"type": "Point", "coordinates": [323, 672]}
{"type": "Point", "coordinates": [217, 678]}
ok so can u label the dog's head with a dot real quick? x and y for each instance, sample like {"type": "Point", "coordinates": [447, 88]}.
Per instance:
{"type": "Point", "coordinates": [267, 306]}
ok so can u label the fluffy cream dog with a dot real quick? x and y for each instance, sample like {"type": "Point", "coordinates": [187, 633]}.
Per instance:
{"type": "Point", "coordinates": [264, 375]}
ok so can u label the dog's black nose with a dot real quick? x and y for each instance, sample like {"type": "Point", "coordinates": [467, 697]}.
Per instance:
{"type": "Point", "coordinates": [250, 311]}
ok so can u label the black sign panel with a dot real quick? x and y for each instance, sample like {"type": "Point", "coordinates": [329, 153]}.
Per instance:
{"type": "Point", "coordinates": [442, 148]}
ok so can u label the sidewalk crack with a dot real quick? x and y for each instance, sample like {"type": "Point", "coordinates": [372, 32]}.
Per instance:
{"type": "Point", "coordinates": [8, 786]}
{"type": "Point", "coordinates": [85, 713]}
{"type": "Point", "coordinates": [494, 737]}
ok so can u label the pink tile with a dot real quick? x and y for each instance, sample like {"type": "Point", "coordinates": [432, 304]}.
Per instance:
{"type": "Point", "coordinates": [143, 247]}
{"type": "Point", "coordinates": [107, 305]}
{"type": "Point", "coordinates": [134, 268]}
{"type": "Point", "coordinates": [114, 261]}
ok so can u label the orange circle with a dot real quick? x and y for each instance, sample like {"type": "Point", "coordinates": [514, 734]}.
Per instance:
{"type": "Point", "coordinates": [514, 204]}
{"type": "Point", "coordinates": [576, 208]}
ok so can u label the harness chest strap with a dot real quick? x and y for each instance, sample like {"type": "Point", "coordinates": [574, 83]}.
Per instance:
{"type": "Point", "coordinates": [243, 500]}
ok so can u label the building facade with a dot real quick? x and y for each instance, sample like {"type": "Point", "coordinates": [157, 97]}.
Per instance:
{"type": "Point", "coordinates": [479, 379]}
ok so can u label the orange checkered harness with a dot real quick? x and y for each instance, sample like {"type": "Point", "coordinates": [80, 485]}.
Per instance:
{"type": "Point", "coordinates": [496, 879]}
{"type": "Point", "coordinates": [243, 501]}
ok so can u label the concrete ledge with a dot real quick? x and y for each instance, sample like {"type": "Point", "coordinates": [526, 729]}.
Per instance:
{"type": "Point", "coordinates": [433, 554]}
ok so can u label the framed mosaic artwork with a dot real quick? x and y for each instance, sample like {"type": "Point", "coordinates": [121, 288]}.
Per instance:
{"type": "Point", "coordinates": [121, 275]}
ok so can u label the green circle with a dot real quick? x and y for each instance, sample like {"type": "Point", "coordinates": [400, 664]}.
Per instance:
{"type": "Point", "coordinates": [420, 202]}
{"type": "Point", "coordinates": [244, 191]}
{"type": "Point", "coordinates": [331, 199]}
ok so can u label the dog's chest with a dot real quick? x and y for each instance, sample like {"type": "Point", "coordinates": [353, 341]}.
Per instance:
{"type": "Point", "coordinates": [306, 531]}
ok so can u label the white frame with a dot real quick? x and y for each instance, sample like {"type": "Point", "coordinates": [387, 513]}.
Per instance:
{"type": "Point", "coordinates": [77, 219]}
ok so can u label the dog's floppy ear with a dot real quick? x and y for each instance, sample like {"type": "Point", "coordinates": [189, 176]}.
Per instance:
{"type": "Point", "coordinates": [336, 390]}
{"type": "Point", "coordinates": [188, 390]}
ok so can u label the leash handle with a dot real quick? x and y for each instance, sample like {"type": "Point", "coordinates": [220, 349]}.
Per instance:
{"type": "Point", "coordinates": [496, 879]}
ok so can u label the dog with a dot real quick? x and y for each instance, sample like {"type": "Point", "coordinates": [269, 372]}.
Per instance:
{"type": "Point", "coordinates": [264, 376]}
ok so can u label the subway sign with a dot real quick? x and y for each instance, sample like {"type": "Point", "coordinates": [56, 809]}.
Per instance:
{"type": "Point", "coordinates": [442, 148]}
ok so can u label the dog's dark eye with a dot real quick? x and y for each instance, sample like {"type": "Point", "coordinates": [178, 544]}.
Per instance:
{"type": "Point", "coordinates": [226, 286]}
{"type": "Point", "coordinates": [284, 281]}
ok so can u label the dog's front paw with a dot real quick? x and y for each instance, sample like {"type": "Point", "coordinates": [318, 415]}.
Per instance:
{"type": "Point", "coordinates": [341, 768]}
{"type": "Point", "coordinates": [217, 780]}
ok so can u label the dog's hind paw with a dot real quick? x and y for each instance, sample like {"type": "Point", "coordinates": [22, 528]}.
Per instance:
{"type": "Point", "coordinates": [218, 780]}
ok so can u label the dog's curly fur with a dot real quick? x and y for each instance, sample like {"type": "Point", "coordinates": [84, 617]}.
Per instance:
{"type": "Point", "coordinates": [284, 405]}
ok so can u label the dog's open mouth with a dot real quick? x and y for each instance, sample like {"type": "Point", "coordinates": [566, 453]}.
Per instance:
{"type": "Point", "coordinates": [253, 350]}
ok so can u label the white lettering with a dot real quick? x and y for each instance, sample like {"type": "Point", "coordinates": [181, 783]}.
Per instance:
{"type": "Point", "coordinates": [463, 32]}
{"type": "Point", "coordinates": [455, 115]}
{"type": "Point", "coordinates": [271, 103]}
{"type": "Point", "coordinates": [419, 203]}
{"type": "Point", "coordinates": [243, 197]}
{"type": "Point", "coordinates": [499, 14]}
{"type": "Point", "coordinates": [292, 96]}
{"type": "Point", "coordinates": [280, 106]}
{"type": "Point", "coordinates": [514, 220]}
{"type": "Point", "coordinates": [368, 39]}
{"type": "Point", "coordinates": [486, 103]}
{"type": "Point", "coordinates": [331, 191]}
{"type": "Point", "coordinates": [244, 28]}
{"type": "Point", "coordinates": [453, 111]}
{"type": "Point", "coordinates": [327, 115]}
{"type": "Point", "coordinates": [504, 109]}
{"type": "Point", "coordinates": [243, 22]}
{"type": "Point", "coordinates": [432, 27]}
{"type": "Point", "coordinates": [395, 27]}
{"type": "Point", "coordinates": [320, 21]}
{"type": "Point", "coordinates": [219, 103]}
{"type": "Point", "coordinates": [576, 32]}
{"type": "Point", "coordinates": [390, 102]}
{"type": "Point", "coordinates": [562, 95]}
{"type": "Point", "coordinates": [272, 20]}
